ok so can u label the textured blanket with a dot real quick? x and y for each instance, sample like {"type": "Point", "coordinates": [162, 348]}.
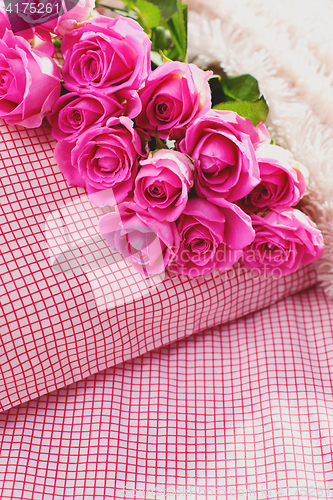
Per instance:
{"type": "Point", "coordinates": [288, 46]}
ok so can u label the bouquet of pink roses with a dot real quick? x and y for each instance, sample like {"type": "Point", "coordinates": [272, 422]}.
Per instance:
{"type": "Point", "coordinates": [181, 156]}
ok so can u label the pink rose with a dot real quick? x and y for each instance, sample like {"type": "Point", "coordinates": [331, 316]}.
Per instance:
{"type": "Point", "coordinates": [142, 240]}
{"type": "Point", "coordinates": [213, 236]}
{"type": "Point", "coordinates": [173, 95]}
{"type": "Point", "coordinates": [106, 55]}
{"type": "Point", "coordinates": [285, 239]}
{"type": "Point", "coordinates": [221, 145]}
{"type": "Point", "coordinates": [163, 183]}
{"type": "Point", "coordinates": [104, 160]}
{"type": "Point", "coordinates": [76, 15]}
{"type": "Point", "coordinates": [281, 184]}
{"type": "Point", "coordinates": [72, 114]}
{"type": "Point", "coordinates": [29, 84]}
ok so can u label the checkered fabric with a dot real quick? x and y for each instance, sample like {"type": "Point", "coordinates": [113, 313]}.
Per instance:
{"type": "Point", "coordinates": [71, 308]}
{"type": "Point", "coordinates": [240, 411]}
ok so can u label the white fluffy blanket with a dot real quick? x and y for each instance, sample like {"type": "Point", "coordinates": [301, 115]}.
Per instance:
{"type": "Point", "coordinates": [288, 46]}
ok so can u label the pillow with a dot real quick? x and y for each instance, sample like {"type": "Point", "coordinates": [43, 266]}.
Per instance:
{"type": "Point", "coordinates": [71, 307]}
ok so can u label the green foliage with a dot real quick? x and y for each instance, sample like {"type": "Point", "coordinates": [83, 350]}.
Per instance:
{"type": "Point", "coordinates": [161, 40]}
{"type": "Point", "coordinates": [254, 110]}
{"type": "Point", "coordinates": [167, 7]}
{"type": "Point", "coordinates": [240, 94]}
{"type": "Point", "coordinates": [240, 88]}
{"type": "Point", "coordinates": [149, 14]}
{"type": "Point", "coordinates": [177, 25]}
{"type": "Point", "coordinates": [56, 42]}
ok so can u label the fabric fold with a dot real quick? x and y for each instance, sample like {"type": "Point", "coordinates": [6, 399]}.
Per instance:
{"type": "Point", "coordinates": [71, 307]}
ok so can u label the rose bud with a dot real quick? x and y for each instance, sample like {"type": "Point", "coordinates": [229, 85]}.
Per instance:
{"type": "Point", "coordinates": [173, 95]}
{"type": "Point", "coordinates": [105, 56]}
{"type": "Point", "coordinates": [285, 239]}
{"type": "Point", "coordinates": [221, 145]}
{"type": "Point", "coordinates": [104, 160]}
{"type": "Point", "coordinates": [212, 235]}
{"type": "Point", "coordinates": [143, 241]}
{"type": "Point", "coordinates": [163, 183]}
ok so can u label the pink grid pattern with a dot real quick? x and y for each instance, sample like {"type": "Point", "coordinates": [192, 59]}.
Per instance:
{"type": "Point", "coordinates": [243, 410]}
{"type": "Point", "coordinates": [69, 308]}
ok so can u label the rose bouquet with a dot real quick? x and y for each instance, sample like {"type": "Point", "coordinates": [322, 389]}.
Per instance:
{"type": "Point", "coordinates": [180, 156]}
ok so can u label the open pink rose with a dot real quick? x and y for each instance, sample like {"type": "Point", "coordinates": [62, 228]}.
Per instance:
{"type": "Point", "coordinates": [146, 243]}
{"type": "Point", "coordinates": [174, 94]}
{"type": "Point", "coordinates": [281, 184]}
{"type": "Point", "coordinates": [213, 235]}
{"type": "Point", "coordinates": [72, 114]}
{"type": "Point", "coordinates": [106, 55]}
{"type": "Point", "coordinates": [29, 83]}
{"type": "Point", "coordinates": [163, 183]}
{"type": "Point", "coordinates": [285, 239]}
{"type": "Point", "coordinates": [221, 145]}
{"type": "Point", "coordinates": [104, 160]}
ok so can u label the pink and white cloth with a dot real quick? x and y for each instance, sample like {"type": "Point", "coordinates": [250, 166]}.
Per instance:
{"type": "Point", "coordinates": [241, 410]}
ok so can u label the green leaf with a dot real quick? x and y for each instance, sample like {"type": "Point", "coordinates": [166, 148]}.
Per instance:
{"type": "Point", "coordinates": [167, 7]}
{"type": "Point", "coordinates": [164, 57]}
{"type": "Point", "coordinates": [182, 19]}
{"type": "Point", "coordinates": [172, 54]}
{"type": "Point", "coordinates": [56, 42]}
{"type": "Point", "coordinates": [150, 14]}
{"type": "Point", "coordinates": [255, 110]}
{"type": "Point", "coordinates": [160, 39]}
{"type": "Point", "coordinates": [241, 88]}
{"type": "Point", "coordinates": [177, 25]}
